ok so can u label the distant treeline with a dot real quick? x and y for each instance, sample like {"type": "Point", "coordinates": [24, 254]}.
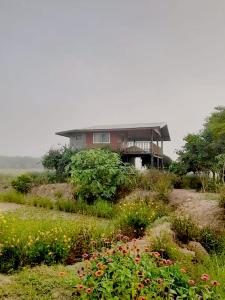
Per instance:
{"type": "Point", "coordinates": [19, 162]}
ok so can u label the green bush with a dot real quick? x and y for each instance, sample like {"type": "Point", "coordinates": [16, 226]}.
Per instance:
{"type": "Point", "coordinates": [212, 241]}
{"type": "Point", "coordinates": [186, 230]}
{"type": "Point", "coordinates": [99, 174]}
{"type": "Point", "coordinates": [22, 183]}
{"type": "Point", "coordinates": [13, 197]}
{"type": "Point", "coordinates": [66, 205]}
{"type": "Point", "coordinates": [136, 214]}
{"type": "Point", "coordinates": [121, 274]}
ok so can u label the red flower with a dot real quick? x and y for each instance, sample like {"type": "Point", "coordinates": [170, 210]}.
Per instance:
{"type": "Point", "coordinates": [215, 283]}
{"type": "Point", "coordinates": [142, 298]}
{"type": "Point", "coordinates": [205, 277]}
{"type": "Point", "coordinates": [191, 282]}
{"type": "Point", "coordinates": [155, 254]}
{"type": "Point", "coordinates": [147, 281]}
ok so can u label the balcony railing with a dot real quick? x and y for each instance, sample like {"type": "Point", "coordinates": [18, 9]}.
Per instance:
{"type": "Point", "coordinates": [146, 146]}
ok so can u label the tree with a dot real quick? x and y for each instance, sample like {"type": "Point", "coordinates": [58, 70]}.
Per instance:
{"type": "Point", "coordinates": [59, 160]}
{"type": "Point", "coordinates": [99, 173]}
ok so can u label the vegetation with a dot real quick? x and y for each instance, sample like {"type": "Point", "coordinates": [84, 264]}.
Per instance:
{"type": "Point", "coordinates": [120, 273]}
{"type": "Point", "coordinates": [59, 160]}
{"type": "Point", "coordinates": [22, 184]}
{"type": "Point", "coordinates": [204, 152]}
{"type": "Point", "coordinates": [99, 174]}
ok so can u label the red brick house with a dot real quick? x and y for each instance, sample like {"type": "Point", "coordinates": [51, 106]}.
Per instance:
{"type": "Point", "coordinates": [144, 141]}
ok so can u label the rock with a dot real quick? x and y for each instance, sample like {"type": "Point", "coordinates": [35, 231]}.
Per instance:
{"type": "Point", "coordinates": [200, 252]}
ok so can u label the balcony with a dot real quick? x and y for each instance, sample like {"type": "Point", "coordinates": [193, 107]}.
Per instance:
{"type": "Point", "coordinates": [142, 147]}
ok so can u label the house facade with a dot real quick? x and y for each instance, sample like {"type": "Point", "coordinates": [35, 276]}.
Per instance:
{"type": "Point", "coordinates": [136, 142]}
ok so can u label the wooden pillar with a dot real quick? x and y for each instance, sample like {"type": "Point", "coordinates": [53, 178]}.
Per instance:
{"type": "Point", "coordinates": [152, 157]}
{"type": "Point", "coordinates": [157, 153]}
{"type": "Point", "coordinates": [162, 153]}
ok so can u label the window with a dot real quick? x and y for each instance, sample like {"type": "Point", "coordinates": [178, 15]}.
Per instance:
{"type": "Point", "coordinates": [101, 137]}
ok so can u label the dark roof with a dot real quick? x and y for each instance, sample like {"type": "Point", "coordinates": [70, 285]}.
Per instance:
{"type": "Point", "coordinates": [161, 126]}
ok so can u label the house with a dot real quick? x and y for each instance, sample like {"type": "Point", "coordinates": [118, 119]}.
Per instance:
{"type": "Point", "coordinates": [141, 144]}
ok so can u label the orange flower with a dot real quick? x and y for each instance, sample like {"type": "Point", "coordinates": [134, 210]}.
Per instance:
{"type": "Point", "coordinates": [80, 287]}
{"type": "Point", "coordinates": [137, 259]}
{"type": "Point", "coordinates": [89, 291]}
{"type": "Point", "coordinates": [62, 273]}
{"type": "Point", "coordinates": [140, 286]}
{"type": "Point", "coordinates": [99, 273]}
{"type": "Point", "coordinates": [142, 298]}
{"type": "Point", "coordinates": [205, 277]}
{"type": "Point", "coordinates": [191, 282]}
{"type": "Point", "coordinates": [215, 283]}
{"type": "Point", "coordinates": [183, 270]}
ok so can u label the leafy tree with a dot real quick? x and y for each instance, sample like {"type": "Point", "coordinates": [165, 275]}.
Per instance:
{"type": "Point", "coordinates": [59, 160]}
{"type": "Point", "coordinates": [99, 173]}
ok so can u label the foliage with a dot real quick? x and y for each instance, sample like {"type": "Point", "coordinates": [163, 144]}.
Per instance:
{"type": "Point", "coordinates": [32, 240]}
{"type": "Point", "coordinates": [38, 201]}
{"type": "Point", "coordinates": [186, 230]}
{"type": "Point", "coordinates": [99, 173]}
{"type": "Point", "coordinates": [123, 274]}
{"type": "Point", "coordinates": [22, 183]}
{"type": "Point", "coordinates": [211, 240]}
{"type": "Point", "coordinates": [136, 214]}
{"type": "Point", "coordinates": [59, 160]}
{"type": "Point", "coordinates": [13, 197]}
{"type": "Point", "coordinates": [222, 196]}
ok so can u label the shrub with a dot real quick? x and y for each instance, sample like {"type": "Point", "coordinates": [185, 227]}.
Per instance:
{"type": "Point", "coordinates": [211, 240]}
{"type": "Point", "coordinates": [136, 214]}
{"type": "Point", "coordinates": [186, 230]}
{"type": "Point", "coordinates": [121, 274]}
{"type": "Point", "coordinates": [22, 183]}
{"type": "Point", "coordinates": [99, 173]}
{"type": "Point", "coordinates": [13, 196]}
{"type": "Point", "coordinates": [159, 182]}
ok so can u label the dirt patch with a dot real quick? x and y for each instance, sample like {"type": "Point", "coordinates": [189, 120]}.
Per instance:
{"type": "Point", "coordinates": [4, 207]}
{"type": "Point", "coordinates": [203, 211]}
{"type": "Point", "coordinates": [52, 191]}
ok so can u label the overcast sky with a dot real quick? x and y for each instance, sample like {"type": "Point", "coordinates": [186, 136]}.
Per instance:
{"type": "Point", "coordinates": [65, 64]}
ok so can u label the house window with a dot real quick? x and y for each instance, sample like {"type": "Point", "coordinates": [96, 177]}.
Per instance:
{"type": "Point", "coordinates": [101, 137]}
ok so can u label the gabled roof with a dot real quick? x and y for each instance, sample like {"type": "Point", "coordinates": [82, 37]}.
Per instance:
{"type": "Point", "coordinates": [161, 126]}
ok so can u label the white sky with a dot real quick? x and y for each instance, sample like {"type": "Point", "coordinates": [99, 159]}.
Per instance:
{"type": "Point", "coordinates": [71, 63]}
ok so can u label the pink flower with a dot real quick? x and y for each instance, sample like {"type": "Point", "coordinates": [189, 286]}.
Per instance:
{"type": "Point", "coordinates": [155, 254]}
{"type": "Point", "coordinates": [205, 277]}
{"type": "Point", "coordinates": [85, 256]}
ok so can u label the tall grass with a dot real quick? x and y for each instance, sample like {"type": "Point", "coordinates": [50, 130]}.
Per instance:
{"type": "Point", "coordinates": [32, 241]}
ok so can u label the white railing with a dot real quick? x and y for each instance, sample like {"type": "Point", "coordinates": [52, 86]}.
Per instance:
{"type": "Point", "coordinates": [144, 145]}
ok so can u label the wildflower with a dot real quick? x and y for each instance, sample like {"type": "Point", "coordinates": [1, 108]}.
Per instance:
{"type": "Point", "coordinates": [155, 254]}
{"type": "Point", "coordinates": [80, 287]}
{"type": "Point", "coordinates": [191, 282]}
{"type": "Point", "coordinates": [205, 277]}
{"type": "Point", "coordinates": [183, 270]}
{"type": "Point", "coordinates": [89, 291]}
{"type": "Point", "coordinates": [160, 280]}
{"type": "Point", "coordinates": [142, 298]}
{"type": "Point", "coordinates": [99, 273]}
{"type": "Point", "coordinates": [147, 280]}
{"type": "Point", "coordinates": [215, 283]}
{"type": "Point", "coordinates": [140, 286]}
{"type": "Point", "coordinates": [140, 273]}
{"type": "Point", "coordinates": [146, 249]}
{"type": "Point", "coordinates": [62, 273]}
{"type": "Point", "coordinates": [137, 259]}
{"type": "Point", "coordinates": [110, 260]}
{"type": "Point", "coordinates": [85, 256]}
